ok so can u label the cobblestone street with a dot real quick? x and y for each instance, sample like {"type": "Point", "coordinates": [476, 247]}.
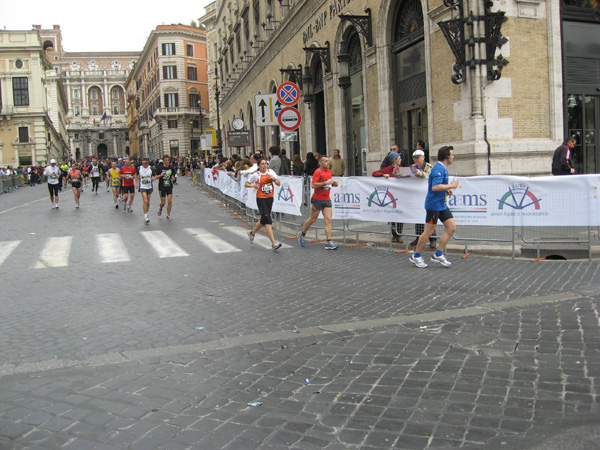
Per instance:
{"type": "Point", "coordinates": [302, 348]}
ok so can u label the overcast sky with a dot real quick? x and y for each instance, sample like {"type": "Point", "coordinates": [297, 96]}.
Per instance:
{"type": "Point", "coordinates": [108, 25]}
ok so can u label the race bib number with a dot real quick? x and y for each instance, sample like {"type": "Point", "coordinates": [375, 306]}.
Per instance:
{"type": "Point", "coordinates": [267, 188]}
{"type": "Point", "coordinates": [146, 180]}
{"type": "Point", "coordinates": [95, 174]}
{"type": "Point", "coordinates": [128, 176]}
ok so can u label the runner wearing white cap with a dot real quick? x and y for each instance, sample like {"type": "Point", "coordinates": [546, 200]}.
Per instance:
{"type": "Point", "coordinates": [52, 173]}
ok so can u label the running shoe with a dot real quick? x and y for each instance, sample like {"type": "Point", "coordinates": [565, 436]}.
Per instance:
{"type": "Point", "coordinates": [107, 189]}
{"type": "Point", "coordinates": [250, 236]}
{"type": "Point", "coordinates": [441, 260]}
{"type": "Point", "coordinates": [419, 262]}
{"type": "Point", "coordinates": [168, 217]}
{"type": "Point", "coordinates": [117, 205]}
{"type": "Point", "coordinates": [129, 209]}
{"type": "Point", "coordinates": [160, 210]}
{"type": "Point", "coordinates": [330, 246]}
{"type": "Point", "coordinates": [146, 219]}
{"type": "Point", "coordinates": [276, 245]}
{"type": "Point", "coordinates": [53, 206]}
{"type": "Point", "coordinates": [57, 206]}
{"type": "Point", "coordinates": [302, 240]}
{"type": "Point", "coordinates": [77, 205]}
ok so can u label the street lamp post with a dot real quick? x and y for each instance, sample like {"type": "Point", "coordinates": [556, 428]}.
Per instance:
{"type": "Point", "coordinates": [217, 92]}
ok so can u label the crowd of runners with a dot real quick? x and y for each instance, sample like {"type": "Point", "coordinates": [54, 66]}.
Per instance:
{"type": "Point", "coordinates": [121, 177]}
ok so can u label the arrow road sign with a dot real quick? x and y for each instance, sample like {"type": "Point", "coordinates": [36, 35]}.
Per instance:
{"type": "Point", "coordinates": [288, 93]}
{"type": "Point", "coordinates": [266, 106]}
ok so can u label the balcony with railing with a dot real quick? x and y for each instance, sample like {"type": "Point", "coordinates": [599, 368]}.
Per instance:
{"type": "Point", "coordinates": [97, 73]}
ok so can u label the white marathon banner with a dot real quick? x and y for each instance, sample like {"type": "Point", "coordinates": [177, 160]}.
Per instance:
{"type": "Point", "coordinates": [287, 197]}
{"type": "Point", "coordinates": [494, 200]}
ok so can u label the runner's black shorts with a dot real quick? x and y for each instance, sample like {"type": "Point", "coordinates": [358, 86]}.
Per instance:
{"type": "Point", "coordinates": [128, 189]}
{"type": "Point", "coordinates": [147, 191]}
{"type": "Point", "coordinates": [165, 190]}
{"type": "Point", "coordinates": [76, 184]}
{"type": "Point", "coordinates": [432, 217]}
{"type": "Point", "coordinates": [265, 204]}
{"type": "Point", "coordinates": [53, 189]}
{"type": "Point", "coordinates": [320, 204]}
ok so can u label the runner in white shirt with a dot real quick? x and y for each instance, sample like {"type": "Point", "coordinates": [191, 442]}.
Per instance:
{"type": "Point", "coordinates": [146, 176]}
{"type": "Point", "coordinates": [53, 174]}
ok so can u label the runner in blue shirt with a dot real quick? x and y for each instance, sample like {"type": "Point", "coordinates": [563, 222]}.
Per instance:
{"type": "Point", "coordinates": [437, 209]}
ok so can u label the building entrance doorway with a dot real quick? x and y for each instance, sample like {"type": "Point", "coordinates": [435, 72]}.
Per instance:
{"type": "Point", "coordinates": [102, 151]}
{"type": "Point", "coordinates": [583, 122]}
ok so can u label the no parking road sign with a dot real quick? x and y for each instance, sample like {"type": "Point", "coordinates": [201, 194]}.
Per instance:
{"type": "Point", "coordinates": [289, 118]}
{"type": "Point", "coordinates": [288, 93]}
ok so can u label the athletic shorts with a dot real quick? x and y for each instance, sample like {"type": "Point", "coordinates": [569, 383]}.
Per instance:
{"type": "Point", "coordinates": [147, 191]}
{"type": "Point", "coordinates": [76, 184]}
{"type": "Point", "coordinates": [432, 217]}
{"type": "Point", "coordinates": [320, 204]}
{"type": "Point", "coordinates": [53, 189]}
{"type": "Point", "coordinates": [166, 190]}
{"type": "Point", "coordinates": [265, 204]}
{"type": "Point", "coordinates": [128, 189]}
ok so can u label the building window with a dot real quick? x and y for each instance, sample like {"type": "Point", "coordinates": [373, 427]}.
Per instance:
{"type": "Point", "coordinates": [116, 110]}
{"type": "Point", "coordinates": [168, 49]}
{"type": "Point", "coordinates": [195, 124]}
{"type": "Point", "coordinates": [94, 110]}
{"type": "Point", "coordinates": [76, 94]}
{"type": "Point", "coordinates": [115, 94]}
{"type": "Point", "coordinates": [77, 110]}
{"type": "Point", "coordinates": [190, 49]}
{"type": "Point", "coordinates": [20, 91]}
{"type": "Point", "coordinates": [19, 64]}
{"type": "Point", "coordinates": [195, 101]}
{"type": "Point", "coordinates": [76, 136]}
{"type": "Point", "coordinates": [94, 94]}
{"type": "Point", "coordinates": [24, 135]}
{"type": "Point", "coordinates": [100, 135]}
{"type": "Point", "coordinates": [172, 124]}
{"type": "Point", "coordinates": [192, 73]}
{"type": "Point", "coordinates": [171, 100]}
{"type": "Point", "coordinates": [170, 72]}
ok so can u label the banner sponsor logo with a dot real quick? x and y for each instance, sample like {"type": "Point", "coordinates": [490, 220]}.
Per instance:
{"type": "Point", "coordinates": [285, 193]}
{"type": "Point", "coordinates": [382, 197]}
{"type": "Point", "coordinates": [468, 203]}
{"type": "Point", "coordinates": [519, 196]}
{"type": "Point", "coordinates": [346, 200]}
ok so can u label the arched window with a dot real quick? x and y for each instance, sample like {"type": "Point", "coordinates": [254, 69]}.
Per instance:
{"type": "Point", "coordinates": [409, 78]}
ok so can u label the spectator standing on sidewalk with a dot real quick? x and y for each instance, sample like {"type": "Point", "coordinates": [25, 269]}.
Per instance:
{"type": "Point", "coordinates": [338, 166]}
{"type": "Point", "coordinates": [421, 169]}
{"type": "Point", "coordinates": [561, 161]}
{"type": "Point", "coordinates": [297, 166]}
{"type": "Point", "coordinates": [437, 209]}
{"type": "Point", "coordinates": [391, 170]}
{"type": "Point", "coordinates": [263, 181]}
{"type": "Point", "coordinates": [275, 163]}
{"type": "Point", "coordinates": [286, 164]}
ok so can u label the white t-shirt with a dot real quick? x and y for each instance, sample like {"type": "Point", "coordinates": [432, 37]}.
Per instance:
{"type": "Point", "coordinates": [53, 174]}
{"type": "Point", "coordinates": [95, 171]}
{"type": "Point", "coordinates": [145, 177]}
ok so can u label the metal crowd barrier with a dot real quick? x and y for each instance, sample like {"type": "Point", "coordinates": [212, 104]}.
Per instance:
{"type": "Point", "coordinates": [534, 240]}
{"type": "Point", "coordinates": [9, 183]}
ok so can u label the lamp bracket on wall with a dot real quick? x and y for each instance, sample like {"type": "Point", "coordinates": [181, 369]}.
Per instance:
{"type": "Point", "coordinates": [362, 24]}
{"type": "Point", "coordinates": [296, 73]}
{"type": "Point", "coordinates": [460, 33]}
{"type": "Point", "coordinates": [322, 53]}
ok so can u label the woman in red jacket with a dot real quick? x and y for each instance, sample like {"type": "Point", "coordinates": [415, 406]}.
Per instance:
{"type": "Point", "coordinates": [387, 172]}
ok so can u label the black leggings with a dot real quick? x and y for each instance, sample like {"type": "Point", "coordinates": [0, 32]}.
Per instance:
{"type": "Point", "coordinates": [53, 189]}
{"type": "Point", "coordinates": [265, 204]}
{"type": "Point", "coordinates": [95, 182]}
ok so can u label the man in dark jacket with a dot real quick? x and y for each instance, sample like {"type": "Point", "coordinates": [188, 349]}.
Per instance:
{"type": "Point", "coordinates": [561, 162]}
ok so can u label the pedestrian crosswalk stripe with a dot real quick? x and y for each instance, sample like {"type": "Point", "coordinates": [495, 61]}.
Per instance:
{"type": "Point", "coordinates": [163, 244]}
{"type": "Point", "coordinates": [260, 239]}
{"type": "Point", "coordinates": [55, 253]}
{"type": "Point", "coordinates": [111, 248]}
{"type": "Point", "coordinates": [6, 248]}
{"type": "Point", "coordinates": [214, 243]}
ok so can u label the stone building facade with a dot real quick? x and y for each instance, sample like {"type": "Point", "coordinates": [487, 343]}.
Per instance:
{"type": "Point", "coordinates": [168, 93]}
{"type": "Point", "coordinates": [32, 102]}
{"type": "Point", "coordinates": [97, 104]}
{"type": "Point", "coordinates": [489, 78]}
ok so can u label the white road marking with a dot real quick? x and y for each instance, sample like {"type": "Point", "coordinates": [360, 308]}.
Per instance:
{"type": "Point", "coordinates": [163, 244]}
{"type": "Point", "coordinates": [214, 243]}
{"type": "Point", "coordinates": [261, 239]}
{"type": "Point", "coordinates": [111, 248]}
{"type": "Point", "coordinates": [6, 248]}
{"type": "Point", "coordinates": [24, 204]}
{"type": "Point", "coordinates": [55, 253]}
